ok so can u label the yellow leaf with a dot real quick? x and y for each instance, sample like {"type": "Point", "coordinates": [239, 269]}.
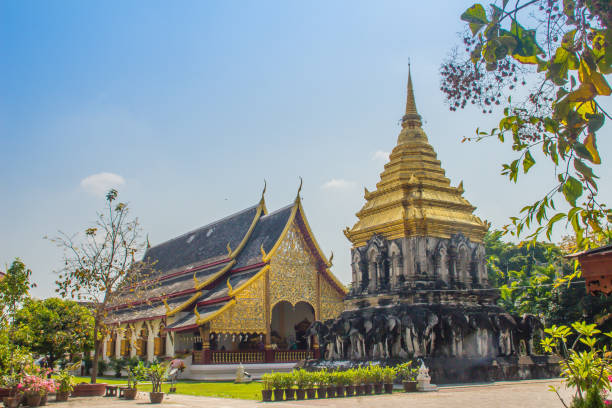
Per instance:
{"type": "Point", "coordinates": [590, 145]}
{"type": "Point", "coordinates": [584, 72]}
{"type": "Point", "coordinates": [585, 107]}
{"type": "Point", "coordinates": [526, 60]}
{"type": "Point", "coordinates": [586, 92]}
{"type": "Point", "coordinates": [600, 83]}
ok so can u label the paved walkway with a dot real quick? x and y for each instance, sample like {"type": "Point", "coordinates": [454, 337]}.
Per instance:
{"type": "Point", "coordinates": [520, 394]}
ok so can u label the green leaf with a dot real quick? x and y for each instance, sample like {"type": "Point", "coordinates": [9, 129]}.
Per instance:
{"type": "Point", "coordinates": [527, 48]}
{"type": "Point", "coordinates": [528, 162]}
{"type": "Point", "coordinates": [582, 151]}
{"type": "Point", "coordinates": [572, 190]}
{"type": "Point", "coordinates": [583, 169]}
{"type": "Point", "coordinates": [596, 121]}
{"type": "Point", "coordinates": [475, 14]}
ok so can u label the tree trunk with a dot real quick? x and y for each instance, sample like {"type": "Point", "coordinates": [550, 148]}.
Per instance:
{"type": "Point", "coordinates": [94, 363]}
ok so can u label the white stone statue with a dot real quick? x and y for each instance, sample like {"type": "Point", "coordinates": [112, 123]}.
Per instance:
{"type": "Point", "coordinates": [423, 379]}
{"type": "Point", "coordinates": [241, 375]}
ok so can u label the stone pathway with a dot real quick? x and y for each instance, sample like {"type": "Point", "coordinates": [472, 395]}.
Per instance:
{"type": "Point", "coordinates": [520, 394]}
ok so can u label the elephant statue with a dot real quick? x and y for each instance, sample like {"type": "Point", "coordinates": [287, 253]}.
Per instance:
{"type": "Point", "coordinates": [424, 321]}
{"type": "Point", "coordinates": [504, 325]}
{"type": "Point", "coordinates": [527, 326]}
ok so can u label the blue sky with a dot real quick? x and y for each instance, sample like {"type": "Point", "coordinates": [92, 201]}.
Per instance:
{"type": "Point", "coordinates": [189, 106]}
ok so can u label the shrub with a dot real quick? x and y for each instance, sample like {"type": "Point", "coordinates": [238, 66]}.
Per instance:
{"type": "Point", "coordinates": [102, 367]}
{"type": "Point", "coordinates": [65, 381]}
{"type": "Point", "coordinates": [276, 381]}
{"type": "Point", "coordinates": [117, 364]}
{"type": "Point", "coordinates": [157, 373]}
{"type": "Point", "coordinates": [324, 378]}
{"type": "Point", "coordinates": [406, 371]}
{"type": "Point", "coordinates": [266, 381]}
{"type": "Point", "coordinates": [389, 374]}
{"type": "Point", "coordinates": [301, 378]}
{"type": "Point", "coordinates": [136, 374]}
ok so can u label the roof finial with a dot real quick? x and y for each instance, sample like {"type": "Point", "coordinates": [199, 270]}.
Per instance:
{"type": "Point", "coordinates": [263, 193]}
{"type": "Point", "coordinates": [299, 189]}
{"type": "Point", "coordinates": [411, 116]}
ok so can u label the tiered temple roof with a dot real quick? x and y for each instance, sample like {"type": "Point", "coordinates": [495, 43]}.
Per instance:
{"type": "Point", "coordinates": [199, 273]}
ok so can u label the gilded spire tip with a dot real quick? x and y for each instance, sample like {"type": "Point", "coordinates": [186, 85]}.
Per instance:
{"type": "Point", "coordinates": [411, 115]}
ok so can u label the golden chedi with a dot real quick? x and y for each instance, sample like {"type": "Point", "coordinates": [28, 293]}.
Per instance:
{"type": "Point", "coordinates": [416, 232]}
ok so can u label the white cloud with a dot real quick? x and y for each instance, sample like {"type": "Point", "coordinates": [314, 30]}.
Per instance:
{"type": "Point", "coordinates": [380, 155]}
{"type": "Point", "coordinates": [338, 184]}
{"type": "Point", "coordinates": [99, 184]}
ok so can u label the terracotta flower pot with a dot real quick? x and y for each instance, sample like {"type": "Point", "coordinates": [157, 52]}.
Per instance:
{"type": "Point", "coordinates": [130, 393]}
{"type": "Point", "coordinates": [12, 402]}
{"type": "Point", "coordinates": [300, 394]}
{"type": "Point", "coordinates": [409, 386]}
{"type": "Point", "coordinates": [156, 397]}
{"type": "Point", "coordinates": [278, 394]}
{"type": "Point", "coordinates": [33, 400]}
{"type": "Point", "coordinates": [311, 393]}
{"type": "Point", "coordinates": [389, 388]}
{"type": "Point", "coordinates": [61, 396]}
{"type": "Point", "coordinates": [367, 389]}
{"type": "Point", "coordinates": [290, 394]}
{"type": "Point", "coordinates": [89, 390]}
{"type": "Point", "coordinates": [266, 395]}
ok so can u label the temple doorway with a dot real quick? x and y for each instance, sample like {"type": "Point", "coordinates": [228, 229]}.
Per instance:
{"type": "Point", "coordinates": [289, 324]}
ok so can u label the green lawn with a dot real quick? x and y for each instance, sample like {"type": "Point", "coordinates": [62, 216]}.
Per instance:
{"type": "Point", "coordinates": [250, 391]}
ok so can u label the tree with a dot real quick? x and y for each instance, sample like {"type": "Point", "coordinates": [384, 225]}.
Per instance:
{"type": "Point", "coordinates": [526, 277]}
{"type": "Point", "coordinates": [557, 53]}
{"type": "Point", "coordinates": [54, 327]}
{"type": "Point", "coordinates": [14, 290]}
{"type": "Point", "coordinates": [101, 268]}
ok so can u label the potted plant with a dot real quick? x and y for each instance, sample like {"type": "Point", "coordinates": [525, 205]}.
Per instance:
{"type": "Point", "coordinates": [300, 377]}
{"type": "Point", "coordinates": [407, 374]}
{"type": "Point", "coordinates": [322, 379]}
{"type": "Point", "coordinates": [350, 375]}
{"type": "Point", "coordinates": [340, 381]}
{"type": "Point", "coordinates": [277, 385]}
{"type": "Point", "coordinates": [266, 387]}
{"type": "Point", "coordinates": [49, 386]}
{"type": "Point", "coordinates": [33, 387]}
{"type": "Point", "coordinates": [157, 373]}
{"type": "Point", "coordinates": [310, 380]}
{"type": "Point", "coordinates": [135, 374]}
{"type": "Point", "coordinates": [377, 379]}
{"type": "Point", "coordinates": [12, 383]}
{"type": "Point", "coordinates": [64, 385]}
{"type": "Point", "coordinates": [288, 382]}
{"type": "Point", "coordinates": [360, 381]}
{"type": "Point", "coordinates": [389, 375]}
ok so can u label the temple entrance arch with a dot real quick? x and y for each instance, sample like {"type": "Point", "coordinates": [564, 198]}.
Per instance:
{"type": "Point", "coordinates": [289, 324]}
